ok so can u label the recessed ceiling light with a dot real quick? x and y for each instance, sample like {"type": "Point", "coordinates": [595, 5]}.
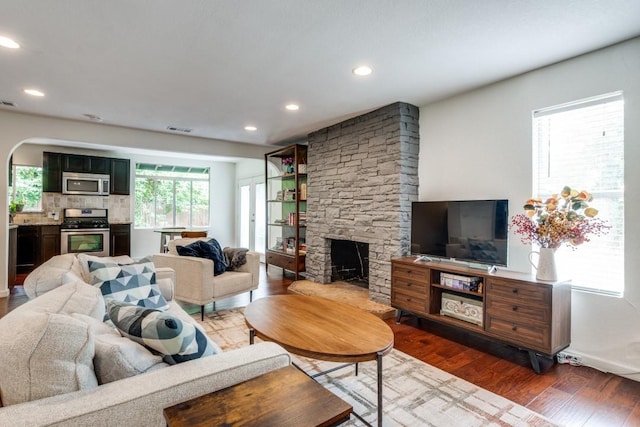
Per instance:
{"type": "Point", "coordinates": [33, 92]}
{"type": "Point", "coordinates": [292, 107]}
{"type": "Point", "coordinates": [250, 128]}
{"type": "Point", "coordinates": [362, 70]}
{"type": "Point", "coordinates": [8, 43]}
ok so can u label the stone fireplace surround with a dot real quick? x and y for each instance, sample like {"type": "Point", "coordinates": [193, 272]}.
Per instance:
{"type": "Point", "coordinates": [362, 177]}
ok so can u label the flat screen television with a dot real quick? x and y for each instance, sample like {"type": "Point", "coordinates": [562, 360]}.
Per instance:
{"type": "Point", "coordinates": [474, 231]}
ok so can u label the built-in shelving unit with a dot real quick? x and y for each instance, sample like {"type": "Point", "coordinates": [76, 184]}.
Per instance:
{"type": "Point", "coordinates": [286, 209]}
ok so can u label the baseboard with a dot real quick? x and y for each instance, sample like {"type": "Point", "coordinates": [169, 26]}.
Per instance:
{"type": "Point", "coordinates": [616, 368]}
{"type": "Point", "coordinates": [4, 293]}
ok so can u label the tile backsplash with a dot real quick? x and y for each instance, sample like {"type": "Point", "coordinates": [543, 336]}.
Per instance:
{"type": "Point", "coordinates": [119, 207]}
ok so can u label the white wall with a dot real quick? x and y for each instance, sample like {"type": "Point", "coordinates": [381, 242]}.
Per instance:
{"type": "Point", "coordinates": [478, 145]}
{"type": "Point", "coordinates": [19, 128]}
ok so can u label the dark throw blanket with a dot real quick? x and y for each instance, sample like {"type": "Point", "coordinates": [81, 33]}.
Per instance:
{"type": "Point", "coordinates": [235, 257]}
{"type": "Point", "coordinates": [210, 250]}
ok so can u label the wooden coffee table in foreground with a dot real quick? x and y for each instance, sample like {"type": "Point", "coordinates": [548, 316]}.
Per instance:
{"type": "Point", "coordinates": [321, 329]}
{"type": "Point", "coordinates": [284, 397]}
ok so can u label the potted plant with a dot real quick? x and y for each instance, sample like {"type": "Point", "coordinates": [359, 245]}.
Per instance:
{"type": "Point", "coordinates": [16, 206]}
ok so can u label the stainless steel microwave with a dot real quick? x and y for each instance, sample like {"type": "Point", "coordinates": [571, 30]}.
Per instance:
{"type": "Point", "coordinates": [85, 183]}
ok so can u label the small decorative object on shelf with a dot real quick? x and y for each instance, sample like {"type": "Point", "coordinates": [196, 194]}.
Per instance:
{"type": "Point", "coordinates": [287, 165]}
{"type": "Point", "coordinates": [561, 219]}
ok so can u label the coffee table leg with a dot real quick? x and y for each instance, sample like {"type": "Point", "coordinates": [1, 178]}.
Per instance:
{"type": "Point", "coordinates": [252, 336]}
{"type": "Point", "coordinates": [379, 360]}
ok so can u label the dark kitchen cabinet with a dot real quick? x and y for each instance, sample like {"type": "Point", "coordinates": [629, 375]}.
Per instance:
{"type": "Point", "coordinates": [35, 245]}
{"type": "Point", "coordinates": [28, 248]}
{"type": "Point", "coordinates": [54, 164]}
{"type": "Point", "coordinates": [120, 239]}
{"type": "Point", "coordinates": [49, 242]}
{"type": "Point", "coordinates": [86, 164]}
{"type": "Point", "coordinates": [51, 172]}
{"type": "Point", "coordinates": [120, 176]}
{"type": "Point", "coordinates": [13, 245]}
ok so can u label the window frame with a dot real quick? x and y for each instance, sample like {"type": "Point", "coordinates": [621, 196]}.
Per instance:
{"type": "Point", "coordinates": [172, 173]}
{"type": "Point", "coordinates": [612, 197]}
{"type": "Point", "coordinates": [13, 193]}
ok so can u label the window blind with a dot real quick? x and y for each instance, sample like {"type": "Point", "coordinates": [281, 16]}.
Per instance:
{"type": "Point", "coordinates": [581, 144]}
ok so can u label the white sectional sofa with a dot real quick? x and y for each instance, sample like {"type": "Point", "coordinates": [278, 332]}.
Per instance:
{"type": "Point", "coordinates": [52, 371]}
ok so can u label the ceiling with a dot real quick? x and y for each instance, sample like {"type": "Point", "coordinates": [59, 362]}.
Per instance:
{"type": "Point", "coordinates": [216, 66]}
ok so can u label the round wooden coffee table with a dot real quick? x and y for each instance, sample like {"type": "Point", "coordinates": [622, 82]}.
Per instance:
{"type": "Point", "coordinates": [321, 329]}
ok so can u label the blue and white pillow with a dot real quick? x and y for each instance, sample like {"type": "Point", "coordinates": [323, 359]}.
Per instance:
{"type": "Point", "coordinates": [162, 332]}
{"type": "Point", "coordinates": [133, 283]}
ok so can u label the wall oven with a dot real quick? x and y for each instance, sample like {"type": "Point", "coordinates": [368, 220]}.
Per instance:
{"type": "Point", "coordinates": [85, 231]}
{"type": "Point", "coordinates": [85, 183]}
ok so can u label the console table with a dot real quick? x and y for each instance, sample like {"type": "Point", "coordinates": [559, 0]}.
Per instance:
{"type": "Point", "coordinates": [513, 308]}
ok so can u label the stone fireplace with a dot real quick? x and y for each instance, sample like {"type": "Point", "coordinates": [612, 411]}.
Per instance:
{"type": "Point", "coordinates": [362, 178]}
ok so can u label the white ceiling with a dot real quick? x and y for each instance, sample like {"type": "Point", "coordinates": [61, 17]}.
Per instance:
{"type": "Point", "coordinates": [218, 65]}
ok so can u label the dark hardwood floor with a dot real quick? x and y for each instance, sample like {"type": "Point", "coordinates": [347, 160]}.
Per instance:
{"type": "Point", "coordinates": [568, 395]}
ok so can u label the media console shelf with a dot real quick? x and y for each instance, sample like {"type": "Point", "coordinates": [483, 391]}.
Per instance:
{"type": "Point", "coordinates": [513, 308]}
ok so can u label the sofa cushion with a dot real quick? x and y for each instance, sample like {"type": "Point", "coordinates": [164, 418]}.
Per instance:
{"type": "Point", "coordinates": [206, 249]}
{"type": "Point", "coordinates": [49, 275]}
{"type": "Point", "coordinates": [52, 354]}
{"type": "Point", "coordinates": [163, 332]}
{"type": "Point", "coordinates": [117, 357]}
{"type": "Point", "coordinates": [73, 297]}
{"type": "Point", "coordinates": [133, 283]}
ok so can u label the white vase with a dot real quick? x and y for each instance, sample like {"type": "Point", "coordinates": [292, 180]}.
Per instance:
{"type": "Point", "coordinates": [546, 266]}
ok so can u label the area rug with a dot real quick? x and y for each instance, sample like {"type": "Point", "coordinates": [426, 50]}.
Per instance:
{"type": "Point", "coordinates": [342, 292]}
{"type": "Point", "coordinates": [414, 393]}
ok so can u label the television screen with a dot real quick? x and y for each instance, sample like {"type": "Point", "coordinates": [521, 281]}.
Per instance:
{"type": "Point", "coordinates": [471, 230]}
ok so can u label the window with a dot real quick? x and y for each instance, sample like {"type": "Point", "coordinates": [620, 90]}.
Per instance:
{"type": "Point", "coordinates": [171, 196]}
{"type": "Point", "coordinates": [581, 145]}
{"type": "Point", "coordinates": [27, 187]}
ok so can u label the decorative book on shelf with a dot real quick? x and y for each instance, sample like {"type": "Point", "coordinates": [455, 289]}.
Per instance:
{"type": "Point", "coordinates": [465, 283]}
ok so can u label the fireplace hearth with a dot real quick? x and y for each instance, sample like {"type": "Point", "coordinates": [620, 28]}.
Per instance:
{"type": "Point", "coordinates": [350, 262]}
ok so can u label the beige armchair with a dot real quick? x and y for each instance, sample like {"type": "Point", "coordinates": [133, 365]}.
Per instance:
{"type": "Point", "coordinates": [194, 279]}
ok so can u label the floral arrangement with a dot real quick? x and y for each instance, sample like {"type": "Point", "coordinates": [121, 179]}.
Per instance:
{"type": "Point", "coordinates": [287, 161]}
{"type": "Point", "coordinates": [565, 219]}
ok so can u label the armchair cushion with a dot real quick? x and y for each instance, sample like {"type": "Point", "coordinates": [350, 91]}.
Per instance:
{"type": "Point", "coordinates": [206, 249]}
{"type": "Point", "coordinates": [178, 341]}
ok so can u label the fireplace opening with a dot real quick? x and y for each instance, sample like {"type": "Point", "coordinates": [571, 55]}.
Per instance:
{"type": "Point", "coordinates": [350, 262]}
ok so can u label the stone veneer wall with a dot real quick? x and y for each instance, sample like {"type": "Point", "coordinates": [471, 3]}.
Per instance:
{"type": "Point", "coordinates": [362, 178]}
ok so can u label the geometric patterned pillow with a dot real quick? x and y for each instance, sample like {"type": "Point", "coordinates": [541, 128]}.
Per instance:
{"type": "Point", "coordinates": [176, 340]}
{"type": "Point", "coordinates": [132, 283]}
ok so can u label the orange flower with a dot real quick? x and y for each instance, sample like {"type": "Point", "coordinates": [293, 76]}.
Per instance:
{"type": "Point", "coordinates": [569, 220]}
